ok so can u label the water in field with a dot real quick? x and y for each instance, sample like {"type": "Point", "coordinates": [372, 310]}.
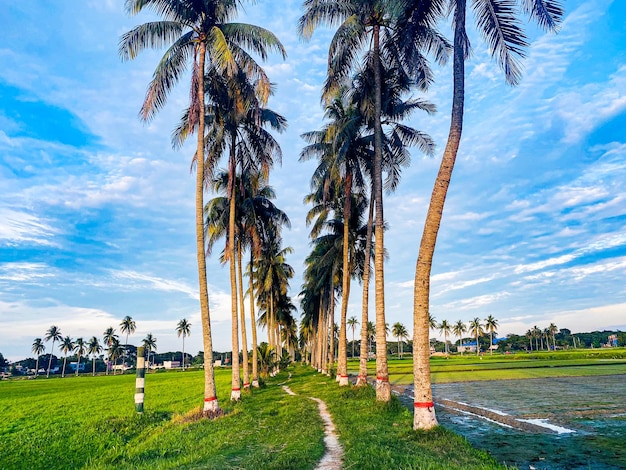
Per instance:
{"type": "Point", "coordinates": [584, 420]}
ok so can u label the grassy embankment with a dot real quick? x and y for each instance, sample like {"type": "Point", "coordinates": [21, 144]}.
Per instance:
{"type": "Point", "coordinates": [468, 367]}
{"type": "Point", "coordinates": [89, 422]}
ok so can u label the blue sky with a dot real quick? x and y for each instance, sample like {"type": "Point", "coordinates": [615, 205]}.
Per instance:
{"type": "Point", "coordinates": [96, 209]}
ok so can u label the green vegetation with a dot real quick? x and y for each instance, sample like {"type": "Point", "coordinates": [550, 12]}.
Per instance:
{"type": "Point", "coordinates": [510, 366]}
{"type": "Point", "coordinates": [90, 422]}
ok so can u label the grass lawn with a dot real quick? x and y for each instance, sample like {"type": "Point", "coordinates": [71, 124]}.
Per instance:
{"type": "Point", "coordinates": [89, 422]}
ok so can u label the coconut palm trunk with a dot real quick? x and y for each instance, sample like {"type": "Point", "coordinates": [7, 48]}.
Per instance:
{"type": "Point", "coordinates": [50, 361]}
{"type": "Point", "coordinates": [424, 417]}
{"type": "Point", "coordinates": [211, 406]}
{"type": "Point", "coordinates": [383, 390]}
{"type": "Point", "coordinates": [93, 366]}
{"type": "Point", "coordinates": [255, 357]}
{"type": "Point", "coordinates": [244, 337]}
{"type": "Point", "coordinates": [235, 393]}
{"type": "Point", "coordinates": [331, 330]}
{"type": "Point", "coordinates": [342, 362]}
{"type": "Point", "coordinates": [362, 377]}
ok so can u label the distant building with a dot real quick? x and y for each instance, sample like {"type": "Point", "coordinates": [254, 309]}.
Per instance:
{"type": "Point", "coordinates": [73, 365]}
{"type": "Point", "coordinates": [171, 364]}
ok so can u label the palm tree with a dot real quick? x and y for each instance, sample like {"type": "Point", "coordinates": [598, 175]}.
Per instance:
{"type": "Point", "coordinates": [54, 334]}
{"type": "Point", "coordinates": [553, 329]}
{"type": "Point", "coordinates": [267, 359]}
{"type": "Point", "coordinates": [399, 331]}
{"type": "Point", "coordinates": [197, 30]}
{"type": "Point", "coordinates": [108, 338]}
{"type": "Point", "coordinates": [492, 325]}
{"type": "Point", "coordinates": [66, 345]}
{"type": "Point", "coordinates": [38, 350]}
{"type": "Point", "coordinates": [183, 328]}
{"type": "Point", "coordinates": [115, 352]}
{"type": "Point", "coordinates": [94, 348]}
{"type": "Point", "coordinates": [127, 326]}
{"type": "Point", "coordinates": [149, 344]}
{"type": "Point", "coordinates": [476, 328]}
{"type": "Point", "coordinates": [80, 349]}
{"type": "Point", "coordinates": [458, 329]}
{"type": "Point", "coordinates": [529, 335]}
{"type": "Point", "coordinates": [445, 328]}
{"type": "Point", "coordinates": [498, 25]}
{"type": "Point", "coordinates": [352, 323]}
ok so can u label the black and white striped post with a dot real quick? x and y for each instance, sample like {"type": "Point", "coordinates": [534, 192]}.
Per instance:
{"type": "Point", "coordinates": [141, 379]}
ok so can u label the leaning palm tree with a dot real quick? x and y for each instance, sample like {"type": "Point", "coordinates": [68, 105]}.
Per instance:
{"type": "Point", "coordinates": [183, 328]}
{"type": "Point", "coordinates": [80, 347]}
{"type": "Point", "coordinates": [94, 348]}
{"type": "Point", "coordinates": [458, 329]}
{"type": "Point", "coordinates": [66, 345]}
{"type": "Point", "coordinates": [54, 334]}
{"type": "Point", "coordinates": [199, 31]}
{"type": "Point", "coordinates": [498, 24]}
{"type": "Point", "coordinates": [127, 326]}
{"type": "Point", "coordinates": [492, 326]}
{"type": "Point", "coordinates": [445, 328]}
{"type": "Point", "coordinates": [38, 350]}
{"type": "Point", "coordinates": [476, 328]}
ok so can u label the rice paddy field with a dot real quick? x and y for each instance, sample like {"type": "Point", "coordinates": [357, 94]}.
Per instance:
{"type": "Point", "coordinates": [578, 398]}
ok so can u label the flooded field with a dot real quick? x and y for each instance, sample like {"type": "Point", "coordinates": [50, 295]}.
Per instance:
{"type": "Point", "coordinates": [573, 422]}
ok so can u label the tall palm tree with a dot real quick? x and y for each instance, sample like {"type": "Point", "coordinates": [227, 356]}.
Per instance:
{"type": "Point", "coordinates": [94, 348]}
{"type": "Point", "coordinates": [498, 24]}
{"type": "Point", "coordinates": [54, 334]}
{"type": "Point", "coordinates": [201, 31]}
{"type": "Point", "coordinates": [149, 345]}
{"type": "Point", "coordinates": [183, 328]}
{"type": "Point", "coordinates": [127, 326]}
{"type": "Point", "coordinates": [458, 329]}
{"type": "Point", "coordinates": [38, 350]}
{"type": "Point", "coordinates": [66, 345]}
{"type": "Point", "coordinates": [476, 328]}
{"type": "Point", "coordinates": [352, 323]}
{"type": "Point", "coordinates": [445, 328]}
{"type": "Point", "coordinates": [530, 335]}
{"type": "Point", "coordinates": [80, 347]}
{"type": "Point", "coordinates": [553, 329]}
{"type": "Point", "coordinates": [115, 352]}
{"type": "Point", "coordinates": [492, 326]}
{"type": "Point", "coordinates": [108, 338]}
{"type": "Point", "coordinates": [399, 331]}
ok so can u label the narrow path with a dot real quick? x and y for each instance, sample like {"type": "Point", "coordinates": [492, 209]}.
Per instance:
{"type": "Point", "coordinates": [333, 457]}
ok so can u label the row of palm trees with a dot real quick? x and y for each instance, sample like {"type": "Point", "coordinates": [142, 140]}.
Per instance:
{"type": "Point", "coordinates": [475, 327]}
{"type": "Point", "coordinates": [539, 335]}
{"type": "Point", "coordinates": [379, 54]}
{"type": "Point", "coordinates": [94, 348]}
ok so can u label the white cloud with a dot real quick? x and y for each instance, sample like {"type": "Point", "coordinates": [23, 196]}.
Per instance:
{"type": "Point", "coordinates": [22, 228]}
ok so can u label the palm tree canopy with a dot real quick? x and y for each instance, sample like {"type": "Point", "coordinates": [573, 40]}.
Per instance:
{"type": "Point", "coordinates": [93, 346]}
{"type": "Point", "coordinates": [66, 345]}
{"type": "Point", "coordinates": [128, 325]}
{"type": "Point", "coordinates": [183, 328]}
{"type": "Point", "coordinates": [109, 336]}
{"type": "Point", "coordinates": [38, 347]}
{"type": "Point", "coordinates": [53, 333]}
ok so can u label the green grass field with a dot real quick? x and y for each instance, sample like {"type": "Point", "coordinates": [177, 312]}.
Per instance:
{"type": "Point", "coordinates": [89, 422]}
